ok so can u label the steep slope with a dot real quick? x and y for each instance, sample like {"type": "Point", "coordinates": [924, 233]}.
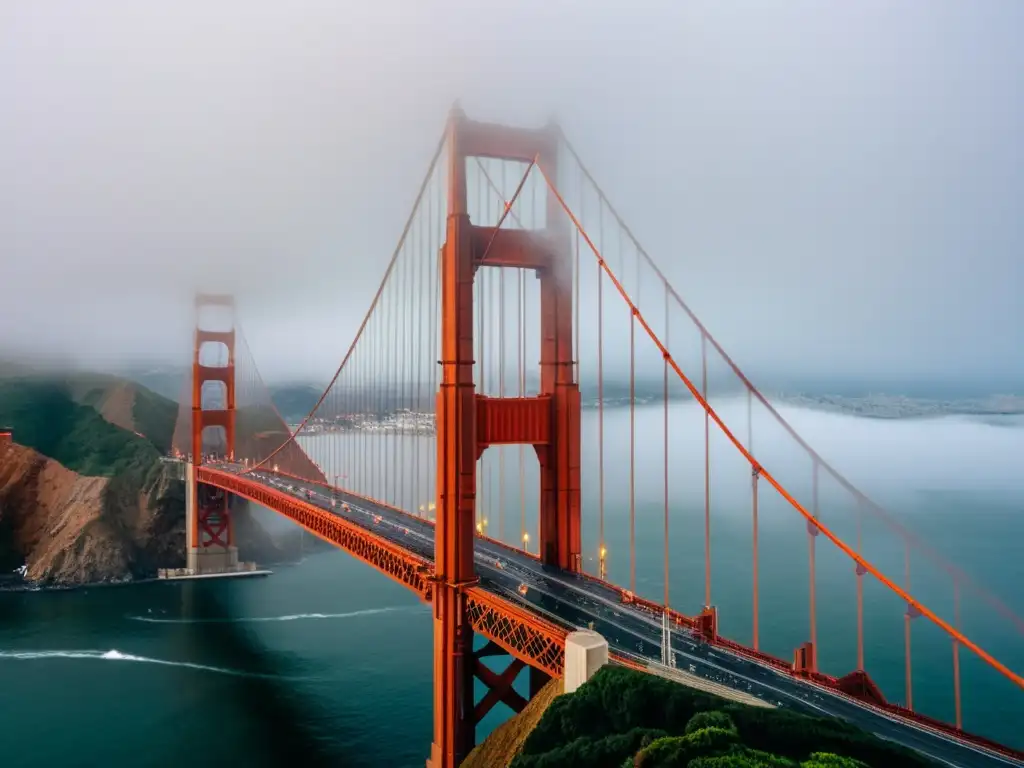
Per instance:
{"type": "Point", "coordinates": [46, 417]}
{"type": "Point", "coordinates": [500, 748]}
{"type": "Point", "coordinates": [112, 398]}
{"type": "Point", "coordinates": [128, 405]}
{"type": "Point", "coordinates": [69, 528]}
{"type": "Point", "coordinates": [44, 509]}
{"type": "Point", "coordinates": [84, 496]}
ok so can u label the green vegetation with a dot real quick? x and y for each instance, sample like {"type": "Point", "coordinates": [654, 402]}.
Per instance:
{"type": "Point", "coordinates": [44, 416]}
{"type": "Point", "coordinates": [625, 718]}
{"type": "Point", "coordinates": [155, 417]}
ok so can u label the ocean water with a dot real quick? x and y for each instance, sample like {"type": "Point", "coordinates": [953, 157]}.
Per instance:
{"type": "Point", "coordinates": [321, 663]}
{"type": "Point", "coordinates": [327, 662]}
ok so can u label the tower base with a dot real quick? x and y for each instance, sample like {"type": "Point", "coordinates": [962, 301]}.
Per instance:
{"type": "Point", "coordinates": [586, 652]}
{"type": "Point", "coordinates": [211, 559]}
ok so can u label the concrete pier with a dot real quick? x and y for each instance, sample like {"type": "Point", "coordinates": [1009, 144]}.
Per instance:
{"type": "Point", "coordinates": [586, 651]}
{"type": "Point", "coordinates": [211, 559]}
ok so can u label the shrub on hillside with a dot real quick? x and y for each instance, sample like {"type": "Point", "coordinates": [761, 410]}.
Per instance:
{"type": "Point", "coordinates": [605, 721]}
{"type": "Point", "coordinates": [587, 752]}
{"type": "Point", "coordinates": [680, 750]}
{"type": "Point", "coordinates": [828, 760]}
{"type": "Point", "coordinates": [743, 758]}
{"type": "Point", "coordinates": [713, 719]}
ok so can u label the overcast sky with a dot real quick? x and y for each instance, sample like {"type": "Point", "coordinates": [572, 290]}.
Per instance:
{"type": "Point", "coordinates": [845, 179]}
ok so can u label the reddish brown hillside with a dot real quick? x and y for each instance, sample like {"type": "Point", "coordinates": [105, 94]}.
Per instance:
{"type": "Point", "coordinates": [53, 518]}
{"type": "Point", "coordinates": [72, 529]}
{"type": "Point", "coordinates": [112, 398]}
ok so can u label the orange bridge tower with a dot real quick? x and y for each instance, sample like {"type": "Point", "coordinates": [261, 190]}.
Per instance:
{"type": "Point", "coordinates": [209, 533]}
{"type": "Point", "coordinates": [468, 423]}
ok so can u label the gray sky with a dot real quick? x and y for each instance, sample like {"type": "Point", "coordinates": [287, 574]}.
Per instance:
{"type": "Point", "coordinates": [844, 179]}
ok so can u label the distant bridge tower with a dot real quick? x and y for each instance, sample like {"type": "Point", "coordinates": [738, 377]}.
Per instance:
{"type": "Point", "coordinates": [468, 423]}
{"type": "Point", "coordinates": [210, 541]}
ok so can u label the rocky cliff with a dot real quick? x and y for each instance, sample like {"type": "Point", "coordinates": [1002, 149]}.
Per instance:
{"type": "Point", "coordinates": [85, 498]}
{"type": "Point", "coordinates": [69, 529]}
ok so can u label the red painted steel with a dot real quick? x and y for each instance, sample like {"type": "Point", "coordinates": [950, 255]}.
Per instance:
{"type": "Point", "coordinates": [513, 420]}
{"type": "Point", "coordinates": [500, 687]}
{"type": "Point", "coordinates": [461, 419]}
{"type": "Point", "coordinates": [403, 566]}
{"type": "Point", "coordinates": [523, 635]}
{"type": "Point", "coordinates": [212, 520]}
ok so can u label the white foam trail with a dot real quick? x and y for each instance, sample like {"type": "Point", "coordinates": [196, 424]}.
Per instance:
{"type": "Point", "coordinates": [115, 655]}
{"type": "Point", "coordinates": [256, 619]}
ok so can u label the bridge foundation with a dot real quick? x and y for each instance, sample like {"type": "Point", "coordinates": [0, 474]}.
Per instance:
{"type": "Point", "coordinates": [586, 651]}
{"type": "Point", "coordinates": [204, 561]}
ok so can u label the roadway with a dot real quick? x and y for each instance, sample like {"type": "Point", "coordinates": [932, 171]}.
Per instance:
{"type": "Point", "coordinates": [575, 603]}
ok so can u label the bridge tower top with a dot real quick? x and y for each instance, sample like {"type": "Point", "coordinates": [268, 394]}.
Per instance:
{"type": "Point", "coordinates": [214, 300]}
{"type": "Point", "coordinates": [222, 333]}
{"type": "Point", "coordinates": [470, 138]}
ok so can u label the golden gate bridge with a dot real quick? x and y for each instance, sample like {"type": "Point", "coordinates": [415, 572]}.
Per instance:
{"type": "Point", "coordinates": [516, 291]}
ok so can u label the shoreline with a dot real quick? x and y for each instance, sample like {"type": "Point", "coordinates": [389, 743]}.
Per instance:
{"type": "Point", "coordinates": [25, 585]}
{"type": "Point", "coordinates": [35, 586]}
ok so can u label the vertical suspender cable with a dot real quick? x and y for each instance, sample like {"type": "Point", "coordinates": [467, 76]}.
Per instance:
{"type": "Point", "coordinates": [665, 397]}
{"type": "Point", "coordinates": [707, 471]}
{"type": "Point", "coordinates": [956, 656]}
{"type": "Point", "coordinates": [632, 451]}
{"type": "Point", "coordinates": [906, 631]}
{"type": "Point", "coordinates": [753, 510]}
{"type": "Point", "coordinates": [811, 579]}
{"type": "Point", "coordinates": [603, 551]}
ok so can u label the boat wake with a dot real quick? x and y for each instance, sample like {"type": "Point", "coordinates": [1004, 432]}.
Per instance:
{"type": "Point", "coordinates": [115, 655]}
{"type": "Point", "coordinates": [262, 619]}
